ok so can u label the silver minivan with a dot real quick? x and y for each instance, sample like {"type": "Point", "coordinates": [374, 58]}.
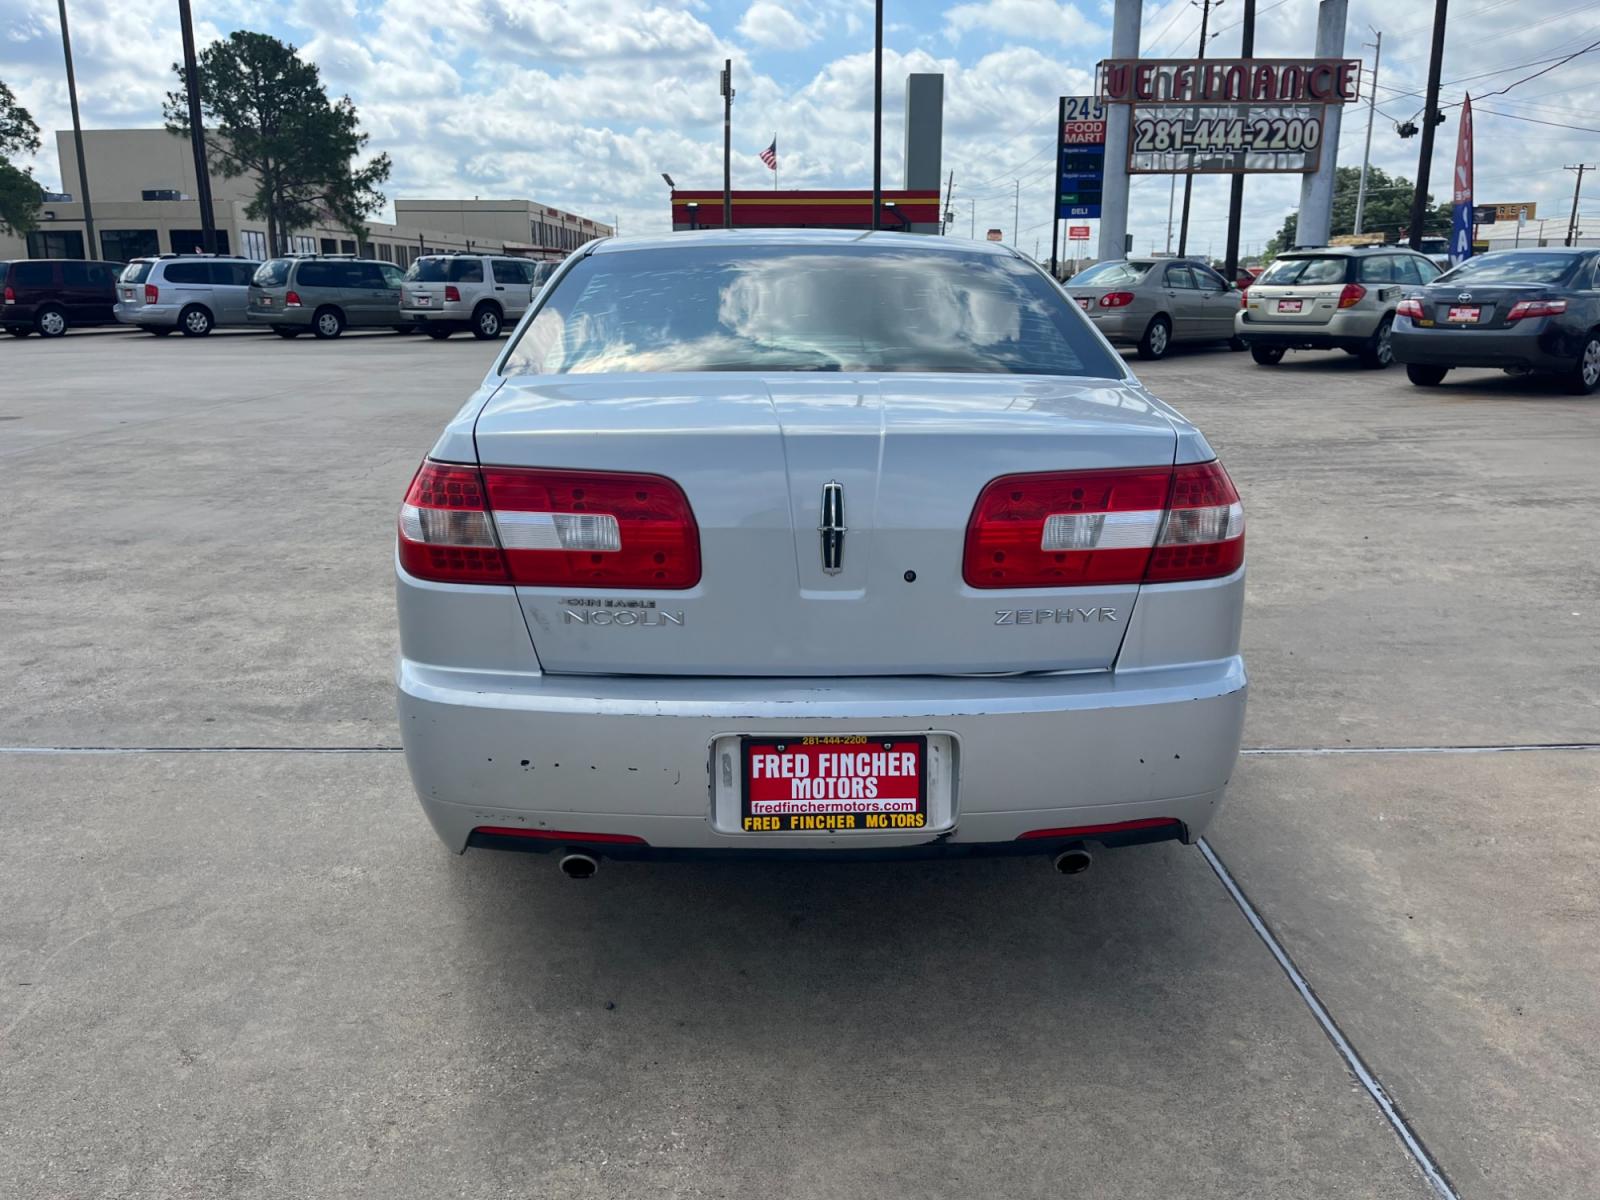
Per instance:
{"type": "Point", "coordinates": [325, 295]}
{"type": "Point", "coordinates": [192, 293]}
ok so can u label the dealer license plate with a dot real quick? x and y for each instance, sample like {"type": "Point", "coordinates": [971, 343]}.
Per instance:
{"type": "Point", "coordinates": [1289, 305]}
{"type": "Point", "coordinates": [1464, 315]}
{"type": "Point", "coordinates": [127, 293]}
{"type": "Point", "coordinates": [422, 301]}
{"type": "Point", "coordinates": [834, 784]}
{"type": "Point", "coordinates": [1083, 303]}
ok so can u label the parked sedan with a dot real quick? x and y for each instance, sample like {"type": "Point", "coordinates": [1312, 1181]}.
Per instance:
{"type": "Point", "coordinates": [1534, 310]}
{"type": "Point", "coordinates": [804, 542]}
{"type": "Point", "coordinates": [1150, 303]}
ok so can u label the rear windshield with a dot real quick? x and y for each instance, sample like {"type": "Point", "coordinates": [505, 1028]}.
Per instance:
{"type": "Point", "coordinates": [446, 270]}
{"type": "Point", "coordinates": [1306, 271]}
{"type": "Point", "coordinates": [137, 272]}
{"type": "Point", "coordinates": [810, 308]}
{"type": "Point", "coordinates": [272, 273]}
{"type": "Point", "coordinates": [1513, 268]}
{"type": "Point", "coordinates": [1109, 274]}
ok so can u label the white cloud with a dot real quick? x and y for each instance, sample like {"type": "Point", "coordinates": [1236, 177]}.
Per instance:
{"type": "Point", "coordinates": [774, 27]}
{"type": "Point", "coordinates": [1032, 19]}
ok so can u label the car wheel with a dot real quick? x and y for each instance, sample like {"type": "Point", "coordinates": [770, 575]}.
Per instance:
{"type": "Point", "coordinates": [486, 322]}
{"type": "Point", "coordinates": [1237, 343]}
{"type": "Point", "coordinates": [1378, 353]}
{"type": "Point", "coordinates": [50, 322]}
{"type": "Point", "coordinates": [439, 335]}
{"type": "Point", "coordinates": [1267, 356]}
{"type": "Point", "coordinates": [195, 321]}
{"type": "Point", "coordinates": [1157, 338]}
{"type": "Point", "coordinates": [1425, 374]}
{"type": "Point", "coordinates": [1584, 377]}
{"type": "Point", "coordinates": [286, 333]}
{"type": "Point", "coordinates": [328, 323]}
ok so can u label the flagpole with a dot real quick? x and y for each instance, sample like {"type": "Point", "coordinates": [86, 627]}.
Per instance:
{"type": "Point", "coordinates": [774, 161]}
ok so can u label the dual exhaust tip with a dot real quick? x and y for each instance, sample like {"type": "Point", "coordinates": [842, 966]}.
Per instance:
{"type": "Point", "coordinates": [583, 866]}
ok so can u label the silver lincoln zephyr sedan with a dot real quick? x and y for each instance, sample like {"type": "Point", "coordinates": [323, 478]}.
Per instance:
{"type": "Point", "coordinates": [816, 543]}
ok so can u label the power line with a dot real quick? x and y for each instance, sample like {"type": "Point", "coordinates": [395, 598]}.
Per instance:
{"type": "Point", "coordinates": [1535, 120]}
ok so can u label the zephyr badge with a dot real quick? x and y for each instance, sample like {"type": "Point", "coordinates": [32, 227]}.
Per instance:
{"type": "Point", "coordinates": [832, 528]}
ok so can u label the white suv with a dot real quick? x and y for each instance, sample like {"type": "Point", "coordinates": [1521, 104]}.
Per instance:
{"type": "Point", "coordinates": [444, 293]}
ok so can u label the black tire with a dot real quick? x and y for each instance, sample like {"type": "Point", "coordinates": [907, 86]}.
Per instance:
{"type": "Point", "coordinates": [486, 322]}
{"type": "Point", "coordinates": [328, 323]}
{"type": "Point", "coordinates": [50, 322]}
{"type": "Point", "coordinates": [1378, 353]}
{"type": "Point", "coordinates": [285, 333]}
{"type": "Point", "coordinates": [196, 321]}
{"type": "Point", "coordinates": [159, 332]}
{"type": "Point", "coordinates": [1425, 374]}
{"type": "Point", "coordinates": [405, 329]}
{"type": "Point", "coordinates": [1584, 378]}
{"type": "Point", "coordinates": [438, 334]}
{"type": "Point", "coordinates": [18, 331]}
{"type": "Point", "coordinates": [1157, 339]}
{"type": "Point", "coordinates": [1237, 343]}
{"type": "Point", "coordinates": [1267, 356]}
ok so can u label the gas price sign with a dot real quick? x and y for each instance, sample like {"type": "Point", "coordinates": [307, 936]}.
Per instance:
{"type": "Point", "coordinates": [1080, 158]}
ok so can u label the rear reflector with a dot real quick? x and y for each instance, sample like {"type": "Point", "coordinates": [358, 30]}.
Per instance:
{"type": "Point", "coordinates": [548, 528]}
{"type": "Point", "coordinates": [561, 835]}
{"type": "Point", "coordinates": [1090, 830]}
{"type": "Point", "coordinates": [1083, 528]}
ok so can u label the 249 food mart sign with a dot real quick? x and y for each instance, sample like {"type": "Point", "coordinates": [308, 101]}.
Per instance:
{"type": "Point", "coordinates": [1227, 115]}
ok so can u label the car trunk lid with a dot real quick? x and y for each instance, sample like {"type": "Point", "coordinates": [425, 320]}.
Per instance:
{"type": "Point", "coordinates": [903, 458]}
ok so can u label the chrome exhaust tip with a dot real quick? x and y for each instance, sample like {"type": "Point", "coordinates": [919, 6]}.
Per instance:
{"type": "Point", "coordinates": [578, 866]}
{"type": "Point", "coordinates": [1073, 862]}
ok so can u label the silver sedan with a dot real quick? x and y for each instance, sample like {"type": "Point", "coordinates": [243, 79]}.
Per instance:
{"type": "Point", "coordinates": [803, 542]}
{"type": "Point", "coordinates": [1151, 303]}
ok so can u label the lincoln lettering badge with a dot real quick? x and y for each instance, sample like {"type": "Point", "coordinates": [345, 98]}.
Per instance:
{"type": "Point", "coordinates": [832, 528]}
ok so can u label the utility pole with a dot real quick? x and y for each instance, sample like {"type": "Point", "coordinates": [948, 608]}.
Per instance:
{"type": "Point", "coordinates": [77, 133]}
{"type": "Point", "coordinates": [1055, 187]}
{"type": "Point", "coordinates": [1572, 223]}
{"type": "Point", "coordinates": [1372, 108]}
{"type": "Point", "coordinates": [727, 143]}
{"type": "Point", "coordinates": [877, 118]}
{"type": "Point", "coordinates": [1247, 48]}
{"type": "Point", "coordinates": [1188, 180]}
{"type": "Point", "coordinates": [1431, 118]}
{"type": "Point", "coordinates": [1016, 215]}
{"type": "Point", "coordinates": [197, 133]}
{"type": "Point", "coordinates": [945, 214]}
{"type": "Point", "coordinates": [1172, 197]}
{"type": "Point", "coordinates": [973, 232]}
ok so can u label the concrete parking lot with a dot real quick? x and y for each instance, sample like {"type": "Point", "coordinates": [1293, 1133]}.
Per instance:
{"type": "Point", "coordinates": [235, 961]}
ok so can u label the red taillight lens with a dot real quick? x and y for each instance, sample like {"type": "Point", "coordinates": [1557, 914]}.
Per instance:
{"type": "Point", "coordinates": [548, 528]}
{"type": "Point", "coordinates": [291, 299]}
{"type": "Point", "coordinates": [602, 529]}
{"type": "Point", "coordinates": [1116, 300]}
{"type": "Point", "coordinates": [11, 295]}
{"type": "Point", "coordinates": [1409, 308]}
{"type": "Point", "coordinates": [152, 294]}
{"type": "Point", "coordinates": [452, 292]}
{"type": "Point", "coordinates": [1535, 308]}
{"type": "Point", "coordinates": [1352, 295]}
{"type": "Point", "coordinates": [1065, 529]}
{"type": "Point", "coordinates": [1081, 528]}
{"type": "Point", "coordinates": [1203, 535]}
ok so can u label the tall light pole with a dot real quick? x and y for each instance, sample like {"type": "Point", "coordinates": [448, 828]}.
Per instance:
{"type": "Point", "coordinates": [77, 133]}
{"type": "Point", "coordinates": [197, 133]}
{"type": "Point", "coordinates": [1372, 107]}
{"type": "Point", "coordinates": [877, 117]}
{"type": "Point", "coordinates": [727, 143]}
{"type": "Point", "coordinates": [1188, 179]}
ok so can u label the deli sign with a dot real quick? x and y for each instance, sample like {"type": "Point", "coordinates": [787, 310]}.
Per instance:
{"type": "Point", "coordinates": [1252, 81]}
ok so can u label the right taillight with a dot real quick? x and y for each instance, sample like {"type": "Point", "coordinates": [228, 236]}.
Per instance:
{"type": "Point", "coordinates": [291, 299]}
{"type": "Point", "coordinates": [1409, 308]}
{"type": "Point", "coordinates": [11, 295]}
{"type": "Point", "coordinates": [152, 294]}
{"type": "Point", "coordinates": [452, 294]}
{"type": "Point", "coordinates": [1535, 308]}
{"type": "Point", "coordinates": [1087, 528]}
{"type": "Point", "coordinates": [548, 528]}
{"type": "Point", "coordinates": [1116, 300]}
{"type": "Point", "coordinates": [1351, 295]}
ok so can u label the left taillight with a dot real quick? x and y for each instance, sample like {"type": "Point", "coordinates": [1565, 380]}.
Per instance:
{"type": "Point", "coordinates": [548, 528]}
{"type": "Point", "coordinates": [1410, 308]}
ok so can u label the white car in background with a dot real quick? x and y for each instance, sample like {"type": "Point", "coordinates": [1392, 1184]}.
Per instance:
{"type": "Point", "coordinates": [813, 543]}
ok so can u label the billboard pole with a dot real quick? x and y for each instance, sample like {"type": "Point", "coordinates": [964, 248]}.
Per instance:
{"type": "Point", "coordinates": [1114, 201]}
{"type": "Point", "coordinates": [1247, 47]}
{"type": "Point", "coordinates": [1055, 196]}
{"type": "Point", "coordinates": [1316, 189]}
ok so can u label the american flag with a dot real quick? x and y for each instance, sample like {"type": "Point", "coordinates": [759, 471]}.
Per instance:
{"type": "Point", "coordinates": [770, 154]}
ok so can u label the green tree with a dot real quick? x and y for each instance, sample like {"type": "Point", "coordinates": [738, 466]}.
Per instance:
{"type": "Point", "coordinates": [1388, 209]}
{"type": "Point", "coordinates": [272, 119]}
{"type": "Point", "coordinates": [19, 192]}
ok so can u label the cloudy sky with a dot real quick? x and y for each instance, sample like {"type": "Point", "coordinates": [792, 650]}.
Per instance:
{"type": "Point", "coordinates": [583, 103]}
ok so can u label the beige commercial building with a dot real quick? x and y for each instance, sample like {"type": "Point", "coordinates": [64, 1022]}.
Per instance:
{"type": "Point", "coordinates": [142, 183]}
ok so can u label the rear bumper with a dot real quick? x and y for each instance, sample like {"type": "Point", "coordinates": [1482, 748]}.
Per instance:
{"type": "Point", "coordinates": [1122, 327]}
{"type": "Point", "coordinates": [1539, 347]}
{"type": "Point", "coordinates": [298, 317]}
{"type": "Point", "coordinates": [632, 756]}
{"type": "Point", "coordinates": [148, 315]}
{"type": "Point", "coordinates": [1342, 331]}
{"type": "Point", "coordinates": [451, 315]}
